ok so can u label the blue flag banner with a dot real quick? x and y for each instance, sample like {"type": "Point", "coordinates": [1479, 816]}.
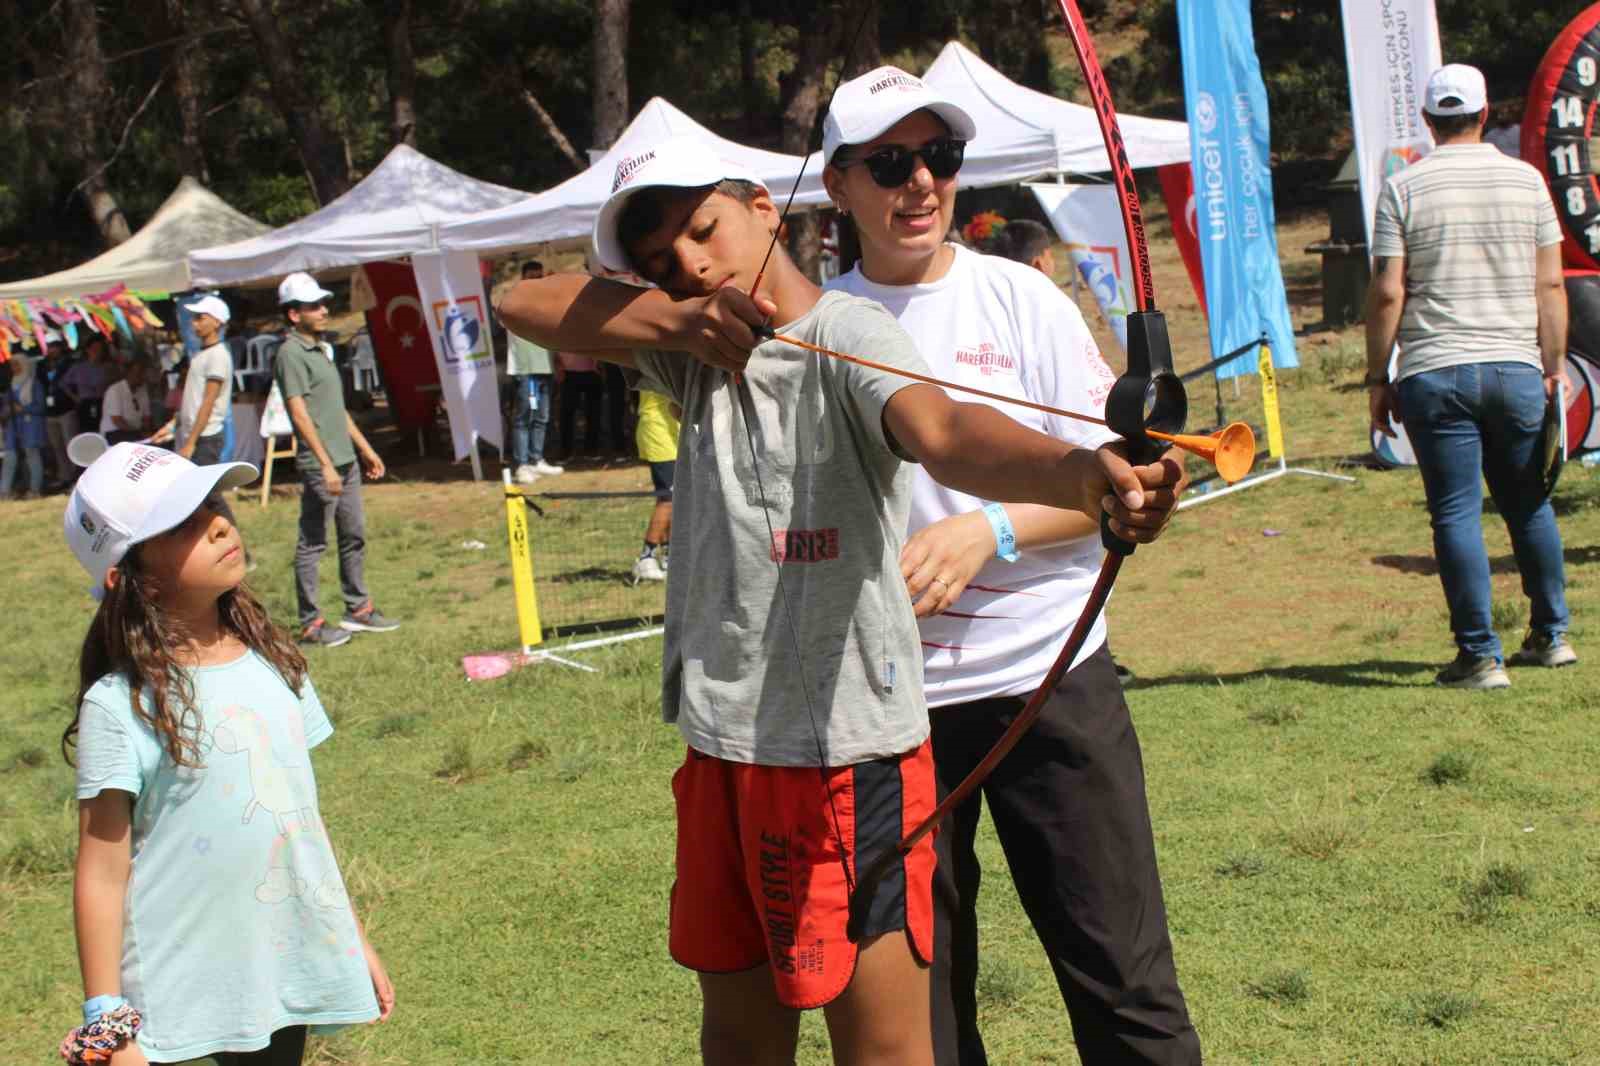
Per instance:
{"type": "Point", "coordinates": [1229, 142]}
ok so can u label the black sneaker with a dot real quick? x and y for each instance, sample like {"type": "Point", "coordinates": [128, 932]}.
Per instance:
{"type": "Point", "coordinates": [367, 620]}
{"type": "Point", "coordinates": [323, 635]}
{"type": "Point", "coordinates": [1472, 672]}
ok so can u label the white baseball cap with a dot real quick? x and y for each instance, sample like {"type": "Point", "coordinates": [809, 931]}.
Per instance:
{"type": "Point", "coordinates": [678, 163]}
{"type": "Point", "coordinates": [209, 305]}
{"type": "Point", "coordinates": [864, 107]}
{"type": "Point", "coordinates": [134, 492]}
{"type": "Point", "coordinates": [1455, 89]}
{"type": "Point", "coordinates": [301, 288]}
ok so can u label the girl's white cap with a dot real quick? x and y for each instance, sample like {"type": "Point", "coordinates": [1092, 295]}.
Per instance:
{"type": "Point", "coordinates": [866, 106]}
{"type": "Point", "coordinates": [678, 163]}
{"type": "Point", "coordinates": [134, 492]}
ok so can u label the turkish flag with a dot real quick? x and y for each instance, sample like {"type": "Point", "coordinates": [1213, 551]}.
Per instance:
{"type": "Point", "coordinates": [1177, 189]}
{"type": "Point", "coordinates": [400, 341]}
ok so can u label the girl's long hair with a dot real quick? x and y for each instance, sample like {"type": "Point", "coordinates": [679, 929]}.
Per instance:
{"type": "Point", "coordinates": [132, 637]}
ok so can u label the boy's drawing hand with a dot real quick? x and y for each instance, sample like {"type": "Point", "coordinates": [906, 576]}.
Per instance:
{"type": "Point", "coordinates": [721, 328]}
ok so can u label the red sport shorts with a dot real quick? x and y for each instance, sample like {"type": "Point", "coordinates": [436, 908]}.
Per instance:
{"type": "Point", "coordinates": [759, 873]}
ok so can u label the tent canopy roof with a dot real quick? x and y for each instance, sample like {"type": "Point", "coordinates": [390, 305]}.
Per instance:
{"type": "Point", "coordinates": [393, 212]}
{"type": "Point", "coordinates": [1023, 133]}
{"type": "Point", "coordinates": [567, 211]}
{"type": "Point", "coordinates": [155, 258]}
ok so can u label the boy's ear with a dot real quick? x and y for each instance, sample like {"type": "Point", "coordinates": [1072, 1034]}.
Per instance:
{"type": "Point", "coordinates": [113, 577]}
{"type": "Point", "coordinates": [763, 204]}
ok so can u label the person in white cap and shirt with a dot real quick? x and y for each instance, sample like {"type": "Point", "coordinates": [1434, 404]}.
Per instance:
{"type": "Point", "coordinates": [330, 476]}
{"type": "Point", "coordinates": [820, 507]}
{"type": "Point", "coordinates": [991, 583]}
{"type": "Point", "coordinates": [1466, 276]}
{"type": "Point", "coordinates": [184, 889]}
{"type": "Point", "coordinates": [197, 428]}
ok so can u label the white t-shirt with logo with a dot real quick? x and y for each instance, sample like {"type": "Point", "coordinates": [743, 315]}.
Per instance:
{"type": "Point", "coordinates": [209, 364]}
{"type": "Point", "coordinates": [1003, 327]}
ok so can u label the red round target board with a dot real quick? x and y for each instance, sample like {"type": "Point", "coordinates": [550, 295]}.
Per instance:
{"type": "Point", "coordinates": [1556, 127]}
{"type": "Point", "coordinates": [1580, 386]}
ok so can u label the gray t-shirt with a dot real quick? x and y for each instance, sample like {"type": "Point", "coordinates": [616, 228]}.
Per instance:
{"type": "Point", "coordinates": [1467, 220]}
{"type": "Point", "coordinates": [840, 498]}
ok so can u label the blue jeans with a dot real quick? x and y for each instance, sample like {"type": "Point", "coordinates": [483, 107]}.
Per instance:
{"type": "Point", "coordinates": [530, 417]}
{"type": "Point", "coordinates": [10, 464]}
{"type": "Point", "coordinates": [1485, 417]}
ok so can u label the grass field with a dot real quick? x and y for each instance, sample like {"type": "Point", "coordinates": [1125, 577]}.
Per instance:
{"type": "Point", "coordinates": [1359, 868]}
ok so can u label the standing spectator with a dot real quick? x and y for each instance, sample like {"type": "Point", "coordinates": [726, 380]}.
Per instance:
{"type": "Point", "coordinates": [656, 435]}
{"type": "Point", "coordinates": [22, 416]}
{"type": "Point", "coordinates": [1466, 274]}
{"type": "Point", "coordinates": [616, 404]}
{"type": "Point", "coordinates": [329, 442]}
{"type": "Point", "coordinates": [198, 427]}
{"type": "Point", "coordinates": [529, 368]}
{"type": "Point", "coordinates": [61, 409]}
{"type": "Point", "coordinates": [127, 411]}
{"type": "Point", "coordinates": [1025, 241]}
{"type": "Point", "coordinates": [580, 381]}
{"type": "Point", "coordinates": [87, 380]}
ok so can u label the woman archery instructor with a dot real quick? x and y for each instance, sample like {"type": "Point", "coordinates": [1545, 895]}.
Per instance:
{"type": "Point", "coordinates": [996, 588]}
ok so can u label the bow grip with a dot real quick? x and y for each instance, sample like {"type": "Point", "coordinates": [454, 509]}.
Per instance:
{"type": "Point", "coordinates": [1148, 396]}
{"type": "Point", "coordinates": [1110, 541]}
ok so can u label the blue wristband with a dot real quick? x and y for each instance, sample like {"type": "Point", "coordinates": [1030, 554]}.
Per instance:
{"type": "Point", "coordinates": [1005, 538]}
{"type": "Point", "coordinates": [95, 1006]}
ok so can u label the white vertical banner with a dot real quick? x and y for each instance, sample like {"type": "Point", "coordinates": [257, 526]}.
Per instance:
{"type": "Point", "coordinates": [1391, 49]}
{"type": "Point", "coordinates": [1088, 220]}
{"type": "Point", "coordinates": [451, 291]}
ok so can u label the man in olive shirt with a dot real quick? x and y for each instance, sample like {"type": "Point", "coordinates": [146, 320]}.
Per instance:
{"type": "Point", "coordinates": [329, 442]}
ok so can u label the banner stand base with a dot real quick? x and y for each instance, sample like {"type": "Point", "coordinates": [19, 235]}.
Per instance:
{"type": "Point", "coordinates": [498, 664]}
{"type": "Point", "coordinates": [1283, 469]}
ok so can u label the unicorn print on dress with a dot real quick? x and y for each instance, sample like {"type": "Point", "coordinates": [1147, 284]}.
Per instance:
{"type": "Point", "coordinates": [300, 853]}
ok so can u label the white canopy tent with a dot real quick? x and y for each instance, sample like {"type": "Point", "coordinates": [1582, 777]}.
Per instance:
{"type": "Point", "coordinates": [394, 212]}
{"type": "Point", "coordinates": [155, 259]}
{"type": "Point", "coordinates": [566, 212]}
{"type": "Point", "coordinates": [1023, 133]}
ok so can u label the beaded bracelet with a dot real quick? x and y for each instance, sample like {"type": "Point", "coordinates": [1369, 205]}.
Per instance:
{"type": "Point", "coordinates": [97, 1041]}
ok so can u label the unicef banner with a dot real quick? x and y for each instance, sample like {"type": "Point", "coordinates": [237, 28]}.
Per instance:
{"type": "Point", "coordinates": [1229, 142]}
{"type": "Point", "coordinates": [457, 318]}
{"type": "Point", "coordinates": [1391, 47]}
{"type": "Point", "coordinates": [1088, 220]}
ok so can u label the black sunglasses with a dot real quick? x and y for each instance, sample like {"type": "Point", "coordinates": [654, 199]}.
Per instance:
{"type": "Point", "coordinates": [891, 165]}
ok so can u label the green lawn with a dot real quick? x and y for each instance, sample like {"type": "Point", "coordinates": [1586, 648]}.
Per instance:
{"type": "Point", "coordinates": [1359, 868]}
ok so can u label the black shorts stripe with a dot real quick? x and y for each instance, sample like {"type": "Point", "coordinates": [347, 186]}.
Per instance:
{"type": "Point", "coordinates": [880, 807]}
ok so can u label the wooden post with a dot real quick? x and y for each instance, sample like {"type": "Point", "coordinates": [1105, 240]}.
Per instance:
{"type": "Point", "coordinates": [266, 465]}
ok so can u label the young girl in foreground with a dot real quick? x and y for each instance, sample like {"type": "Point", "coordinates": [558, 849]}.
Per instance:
{"type": "Point", "coordinates": [211, 917]}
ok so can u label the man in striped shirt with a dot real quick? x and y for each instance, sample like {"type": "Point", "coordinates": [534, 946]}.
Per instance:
{"type": "Point", "coordinates": [1466, 276]}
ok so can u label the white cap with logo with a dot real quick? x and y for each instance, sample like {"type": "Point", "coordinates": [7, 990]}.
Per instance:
{"type": "Point", "coordinates": [866, 106]}
{"type": "Point", "coordinates": [301, 288]}
{"type": "Point", "coordinates": [209, 305]}
{"type": "Point", "coordinates": [134, 492]}
{"type": "Point", "coordinates": [1455, 89]}
{"type": "Point", "coordinates": [678, 163]}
